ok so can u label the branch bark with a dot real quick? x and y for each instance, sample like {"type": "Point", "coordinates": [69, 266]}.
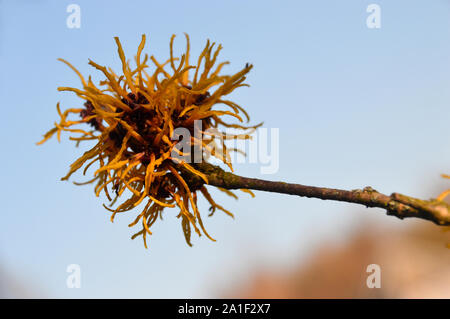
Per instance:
{"type": "Point", "coordinates": [396, 204]}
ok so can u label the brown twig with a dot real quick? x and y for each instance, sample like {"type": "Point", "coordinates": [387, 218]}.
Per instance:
{"type": "Point", "coordinates": [396, 204]}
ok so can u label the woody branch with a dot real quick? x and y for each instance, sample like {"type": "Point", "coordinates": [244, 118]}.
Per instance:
{"type": "Point", "coordinates": [396, 204]}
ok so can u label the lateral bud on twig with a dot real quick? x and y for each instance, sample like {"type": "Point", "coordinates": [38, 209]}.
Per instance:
{"type": "Point", "coordinates": [434, 210]}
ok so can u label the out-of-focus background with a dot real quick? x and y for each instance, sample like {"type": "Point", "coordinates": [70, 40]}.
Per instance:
{"type": "Point", "coordinates": [355, 107]}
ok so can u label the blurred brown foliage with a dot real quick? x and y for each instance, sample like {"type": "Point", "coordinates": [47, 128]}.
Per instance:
{"type": "Point", "coordinates": [415, 263]}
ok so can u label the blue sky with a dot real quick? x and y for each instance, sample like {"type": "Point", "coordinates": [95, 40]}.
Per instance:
{"type": "Point", "coordinates": [355, 107]}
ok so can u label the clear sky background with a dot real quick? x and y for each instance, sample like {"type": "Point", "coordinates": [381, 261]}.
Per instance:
{"type": "Point", "coordinates": [355, 107]}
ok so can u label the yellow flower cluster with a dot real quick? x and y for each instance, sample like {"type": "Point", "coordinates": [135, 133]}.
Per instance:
{"type": "Point", "coordinates": [446, 193]}
{"type": "Point", "coordinates": [133, 116]}
{"type": "Point", "coordinates": [442, 197]}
